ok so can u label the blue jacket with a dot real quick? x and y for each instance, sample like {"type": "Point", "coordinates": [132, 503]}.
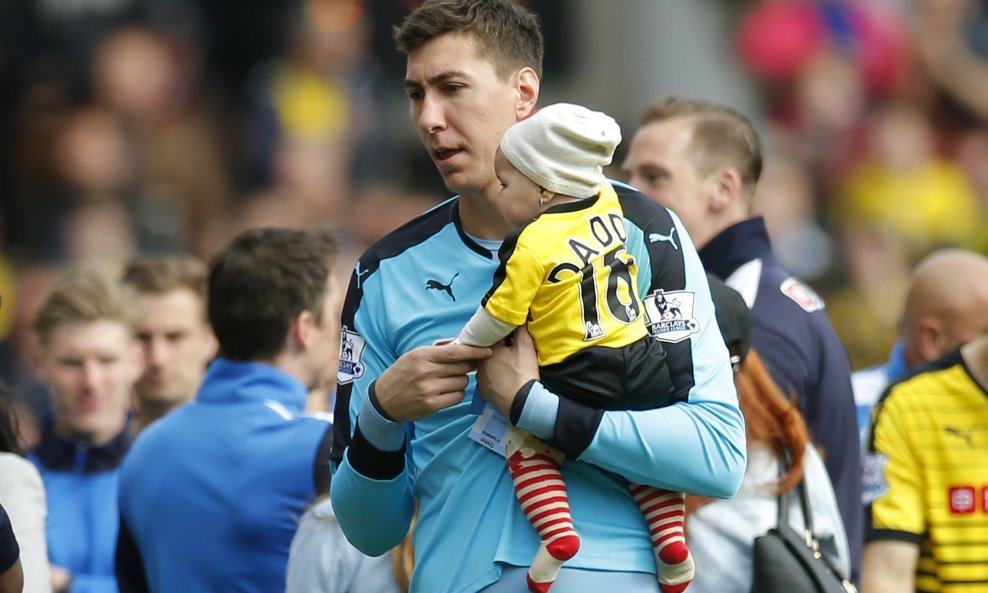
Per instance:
{"type": "Point", "coordinates": [792, 333]}
{"type": "Point", "coordinates": [81, 483]}
{"type": "Point", "coordinates": [211, 495]}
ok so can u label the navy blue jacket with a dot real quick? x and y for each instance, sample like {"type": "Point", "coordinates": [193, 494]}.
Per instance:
{"type": "Point", "coordinates": [793, 335]}
{"type": "Point", "coordinates": [211, 495]}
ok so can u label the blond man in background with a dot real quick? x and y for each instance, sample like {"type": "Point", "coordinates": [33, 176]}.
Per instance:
{"type": "Point", "coordinates": [173, 331]}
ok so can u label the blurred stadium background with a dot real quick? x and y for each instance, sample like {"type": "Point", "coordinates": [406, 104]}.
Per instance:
{"type": "Point", "coordinates": [133, 126]}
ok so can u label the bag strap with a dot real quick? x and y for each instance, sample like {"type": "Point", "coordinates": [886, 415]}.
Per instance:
{"type": "Point", "coordinates": [783, 500]}
{"type": "Point", "coordinates": [804, 500]}
{"type": "Point", "coordinates": [808, 535]}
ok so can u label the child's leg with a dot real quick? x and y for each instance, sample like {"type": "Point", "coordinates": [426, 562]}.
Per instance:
{"type": "Point", "coordinates": [541, 491]}
{"type": "Point", "coordinates": [665, 513]}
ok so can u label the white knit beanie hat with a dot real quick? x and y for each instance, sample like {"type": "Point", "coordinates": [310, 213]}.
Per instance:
{"type": "Point", "coordinates": [563, 148]}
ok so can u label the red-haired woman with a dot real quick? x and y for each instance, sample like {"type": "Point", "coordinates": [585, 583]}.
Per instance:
{"type": "Point", "coordinates": [721, 533]}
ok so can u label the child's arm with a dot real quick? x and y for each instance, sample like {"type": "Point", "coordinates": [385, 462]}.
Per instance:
{"type": "Point", "coordinates": [484, 329]}
{"type": "Point", "coordinates": [517, 279]}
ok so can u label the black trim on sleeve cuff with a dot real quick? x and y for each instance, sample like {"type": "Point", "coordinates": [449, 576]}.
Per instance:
{"type": "Point", "coordinates": [576, 426]}
{"type": "Point", "coordinates": [518, 403]}
{"type": "Point", "coordinates": [372, 394]}
{"type": "Point", "coordinates": [372, 462]}
{"type": "Point", "coordinates": [892, 535]}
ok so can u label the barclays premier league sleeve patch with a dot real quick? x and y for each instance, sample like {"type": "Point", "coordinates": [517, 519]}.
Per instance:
{"type": "Point", "coordinates": [351, 351]}
{"type": "Point", "coordinates": [670, 315]}
{"type": "Point", "coordinates": [874, 485]}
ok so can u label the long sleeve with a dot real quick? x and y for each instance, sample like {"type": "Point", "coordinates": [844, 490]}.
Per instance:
{"type": "Point", "coordinates": [364, 475]}
{"type": "Point", "coordinates": [696, 447]}
{"type": "Point", "coordinates": [484, 329]}
{"type": "Point", "coordinates": [373, 533]}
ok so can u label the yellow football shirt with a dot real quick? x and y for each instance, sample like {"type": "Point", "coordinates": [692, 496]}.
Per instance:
{"type": "Point", "coordinates": [568, 275]}
{"type": "Point", "coordinates": [926, 475]}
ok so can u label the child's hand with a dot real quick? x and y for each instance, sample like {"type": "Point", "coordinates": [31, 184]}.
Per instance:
{"type": "Point", "coordinates": [501, 376]}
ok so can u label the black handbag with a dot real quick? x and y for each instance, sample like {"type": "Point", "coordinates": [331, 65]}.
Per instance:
{"type": "Point", "coordinates": [786, 562]}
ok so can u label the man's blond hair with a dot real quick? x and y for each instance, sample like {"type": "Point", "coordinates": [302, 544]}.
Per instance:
{"type": "Point", "coordinates": [722, 136]}
{"type": "Point", "coordinates": [161, 274]}
{"type": "Point", "coordinates": [83, 295]}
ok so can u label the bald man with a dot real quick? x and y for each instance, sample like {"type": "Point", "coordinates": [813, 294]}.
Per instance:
{"type": "Point", "coordinates": [946, 306]}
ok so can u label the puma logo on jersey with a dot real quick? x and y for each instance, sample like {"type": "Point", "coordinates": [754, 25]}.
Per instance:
{"type": "Point", "coordinates": [360, 272]}
{"type": "Point", "coordinates": [656, 237]}
{"type": "Point", "coordinates": [447, 288]}
{"type": "Point", "coordinates": [967, 436]}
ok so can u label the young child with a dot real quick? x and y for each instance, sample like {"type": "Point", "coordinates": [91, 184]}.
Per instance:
{"type": "Point", "coordinates": [565, 272]}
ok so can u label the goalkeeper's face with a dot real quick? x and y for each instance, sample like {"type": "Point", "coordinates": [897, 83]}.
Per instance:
{"type": "Point", "coordinates": [461, 107]}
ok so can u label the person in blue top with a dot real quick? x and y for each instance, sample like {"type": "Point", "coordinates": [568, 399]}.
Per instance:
{"type": "Point", "coordinates": [405, 436]}
{"type": "Point", "coordinates": [90, 360]}
{"type": "Point", "coordinates": [211, 494]}
{"type": "Point", "coordinates": [703, 161]}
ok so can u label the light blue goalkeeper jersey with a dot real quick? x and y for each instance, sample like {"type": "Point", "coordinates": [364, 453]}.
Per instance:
{"type": "Point", "coordinates": [420, 285]}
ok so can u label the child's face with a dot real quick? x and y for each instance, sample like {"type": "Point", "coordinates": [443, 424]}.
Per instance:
{"type": "Point", "coordinates": [519, 197]}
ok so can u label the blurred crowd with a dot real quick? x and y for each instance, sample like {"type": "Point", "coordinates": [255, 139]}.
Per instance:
{"type": "Point", "coordinates": [160, 126]}
{"type": "Point", "coordinates": [878, 122]}
{"type": "Point", "coordinates": [141, 139]}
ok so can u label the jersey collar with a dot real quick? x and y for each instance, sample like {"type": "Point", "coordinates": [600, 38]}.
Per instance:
{"type": "Point", "coordinates": [736, 245]}
{"type": "Point", "coordinates": [59, 454]}
{"type": "Point", "coordinates": [467, 240]}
